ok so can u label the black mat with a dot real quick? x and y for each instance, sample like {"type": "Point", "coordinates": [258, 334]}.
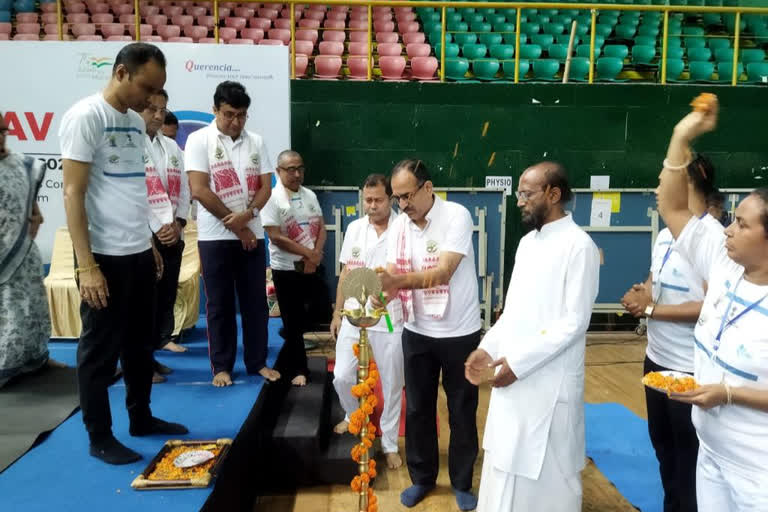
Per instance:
{"type": "Point", "coordinates": [32, 406]}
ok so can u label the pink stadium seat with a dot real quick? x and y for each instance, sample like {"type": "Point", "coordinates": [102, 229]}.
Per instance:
{"type": "Point", "coordinates": [334, 35]}
{"type": "Point", "coordinates": [26, 37]}
{"type": "Point", "coordinates": [5, 27]}
{"type": "Point", "coordinates": [77, 18]}
{"type": "Point", "coordinates": [172, 10]}
{"type": "Point", "coordinates": [224, 12]}
{"type": "Point", "coordinates": [206, 21]}
{"type": "Point", "coordinates": [392, 67]}
{"type": "Point", "coordinates": [381, 9]}
{"type": "Point", "coordinates": [207, 40]}
{"type": "Point", "coordinates": [48, 7]}
{"type": "Point", "coordinates": [309, 23]}
{"type": "Point", "coordinates": [180, 40]}
{"type": "Point", "coordinates": [245, 12]}
{"type": "Point", "coordinates": [102, 17]}
{"type": "Point", "coordinates": [408, 26]}
{"type": "Point", "coordinates": [408, 16]}
{"type": "Point", "coordinates": [386, 37]}
{"type": "Point", "coordinates": [196, 11]}
{"type": "Point", "coordinates": [182, 20]}
{"type": "Point", "coordinates": [301, 65]}
{"type": "Point", "coordinates": [358, 24]}
{"type": "Point", "coordinates": [127, 19]}
{"type": "Point", "coordinates": [53, 28]}
{"type": "Point", "coordinates": [241, 41]}
{"type": "Point", "coordinates": [333, 24]}
{"type": "Point", "coordinates": [358, 16]}
{"type": "Point", "coordinates": [29, 28]}
{"type": "Point", "coordinates": [48, 37]}
{"type": "Point", "coordinates": [151, 39]}
{"type": "Point", "coordinates": [89, 38]}
{"type": "Point", "coordinates": [148, 10]}
{"type": "Point", "coordinates": [307, 35]}
{"type": "Point", "coordinates": [49, 17]}
{"type": "Point", "coordinates": [331, 48]}
{"type": "Point", "coordinates": [228, 5]}
{"type": "Point", "coordinates": [168, 31]}
{"type": "Point", "coordinates": [254, 34]}
{"type": "Point", "coordinates": [122, 9]}
{"type": "Point", "coordinates": [98, 8]}
{"type": "Point", "coordinates": [418, 50]}
{"type": "Point", "coordinates": [340, 8]}
{"type": "Point", "coordinates": [76, 8]}
{"type": "Point", "coordinates": [5, 37]}
{"type": "Point", "coordinates": [361, 37]}
{"type": "Point", "coordinates": [268, 13]}
{"type": "Point", "coordinates": [281, 34]}
{"type": "Point", "coordinates": [144, 30]}
{"type": "Point", "coordinates": [384, 26]}
{"type": "Point", "coordinates": [358, 67]}
{"type": "Point", "coordinates": [157, 19]}
{"type": "Point", "coordinates": [119, 38]}
{"type": "Point", "coordinates": [336, 15]}
{"type": "Point", "coordinates": [286, 13]}
{"type": "Point", "coordinates": [315, 15]}
{"type": "Point", "coordinates": [282, 23]}
{"type": "Point", "coordinates": [185, 3]}
{"type": "Point", "coordinates": [227, 33]}
{"type": "Point", "coordinates": [195, 32]}
{"type": "Point", "coordinates": [327, 66]}
{"type": "Point", "coordinates": [112, 29]}
{"type": "Point", "coordinates": [271, 42]}
{"type": "Point", "coordinates": [26, 17]}
{"type": "Point", "coordinates": [235, 22]}
{"type": "Point", "coordinates": [358, 48]}
{"type": "Point", "coordinates": [262, 23]}
{"type": "Point", "coordinates": [413, 37]}
{"type": "Point", "coordinates": [389, 49]}
{"type": "Point", "coordinates": [318, 7]}
{"type": "Point", "coordinates": [385, 16]}
{"type": "Point", "coordinates": [304, 47]}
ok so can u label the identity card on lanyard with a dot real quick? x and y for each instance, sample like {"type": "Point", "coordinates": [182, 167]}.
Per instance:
{"type": "Point", "coordinates": [725, 323]}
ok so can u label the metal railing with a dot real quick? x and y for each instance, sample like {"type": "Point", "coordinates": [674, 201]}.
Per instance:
{"type": "Point", "coordinates": [594, 9]}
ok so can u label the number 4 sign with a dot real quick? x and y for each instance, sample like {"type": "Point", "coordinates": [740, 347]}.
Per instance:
{"type": "Point", "coordinates": [601, 213]}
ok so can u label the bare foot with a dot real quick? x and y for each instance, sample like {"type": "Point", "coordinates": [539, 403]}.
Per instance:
{"type": "Point", "coordinates": [222, 379]}
{"type": "Point", "coordinates": [174, 347]}
{"type": "Point", "coordinates": [341, 427]}
{"type": "Point", "coordinates": [52, 363]}
{"type": "Point", "coordinates": [393, 460]}
{"type": "Point", "coordinates": [158, 378]}
{"type": "Point", "coordinates": [269, 374]}
{"type": "Point", "coordinates": [299, 380]}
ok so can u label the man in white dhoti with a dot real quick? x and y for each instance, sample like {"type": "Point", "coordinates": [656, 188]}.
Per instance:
{"type": "Point", "coordinates": [365, 245]}
{"type": "Point", "coordinates": [534, 433]}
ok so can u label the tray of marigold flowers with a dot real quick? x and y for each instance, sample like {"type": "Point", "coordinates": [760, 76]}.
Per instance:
{"type": "Point", "coordinates": [183, 465]}
{"type": "Point", "coordinates": [670, 381]}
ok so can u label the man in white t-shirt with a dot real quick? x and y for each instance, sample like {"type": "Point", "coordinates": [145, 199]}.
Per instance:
{"type": "Point", "coordinates": [431, 268]}
{"type": "Point", "coordinates": [294, 223]}
{"type": "Point", "coordinates": [365, 245]}
{"type": "Point", "coordinates": [230, 176]}
{"type": "Point", "coordinates": [105, 197]}
{"type": "Point", "coordinates": [168, 197]}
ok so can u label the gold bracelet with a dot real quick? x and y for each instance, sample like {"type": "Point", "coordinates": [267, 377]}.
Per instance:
{"type": "Point", "coordinates": [675, 167]}
{"type": "Point", "coordinates": [80, 270]}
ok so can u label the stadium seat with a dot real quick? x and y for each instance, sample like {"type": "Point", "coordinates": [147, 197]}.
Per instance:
{"type": "Point", "coordinates": [167, 31]}
{"type": "Point", "coordinates": [502, 51]}
{"type": "Point", "coordinates": [331, 48]}
{"type": "Point", "coordinates": [530, 51]}
{"type": "Point", "coordinates": [579, 69]}
{"type": "Point", "coordinates": [616, 50]}
{"type": "Point", "coordinates": [271, 42]}
{"type": "Point", "coordinates": [181, 20]}
{"type": "Point", "coordinates": [675, 53]}
{"type": "Point", "coordinates": [303, 34]}
{"type": "Point", "coordinates": [725, 71]}
{"type": "Point", "coordinates": [115, 29]}
{"type": "Point", "coordinates": [699, 54]}
{"type": "Point", "coordinates": [392, 67]}
{"type": "Point", "coordinates": [226, 34]}
{"type": "Point", "coordinates": [27, 17]}
{"type": "Point", "coordinates": [474, 51]}
{"type": "Point", "coordinates": [508, 67]}
{"type": "Point", "coordinates": [566, 38]}
{"type": "Point", "coordinates": [485, 69]}
{"type": "Point", "coordinates": [490, 38]}
{"type": "Point", "coordinates": [701, 71]}
{"type": "Point", "coordinates": [645, 40]}
{"type": "Point", "coordinates": [643, 54]}
{"type": "Point", "coordinates": [384, 26]}
{"type": "Point", "coordinates": [451, 50]}
{"type": "Point", "coordinates": [245, 12]}
{"type": "Point", "coordinates": [757, 72]}
{"type": "Point", "coordinates": [89, 38]}
{"type": "Point", "coordinates": [418, 50]}
{"type": "Point", "coordinates": [181, 40]}
{"type": "Point", "coordinates": [583, 51]}
{"type": "Point", "coordinates": [26, 37]}
{"type": "Point", "coordinates": [81, 18]}
{"type": "Point", "coordinates": [625, 31]}
{"type": "Point", "coordinates": [256, 35]}
{"type": "Point", "coordinates": [119, 38]}
{"type": "Point", "coordinates": [361, 37]}
{"type": "Point", "coordinates": [465, 38]}
{"type": "Point", "coordinates": [194, 32]}
{"type": "Point", "coordinates": [389, 49]}
{"type": "Point", "coordinates": [674, 69]}
{"type": "Point", "coordinates": [78, 29]}
{"type": "Point", "coordinates": [281, 34]}
{"type": "Point", "coordinates": [239, 23]}
{"type": "Point", "coordinates": [724, 54]}
{"type": "Point", "coordinates": [694, 42]}
{"type": "Point", "coordinates": [385, 37]}
{"type": "Point", "coordinates": [106, 17]}
{"type": "Point", "coordinates": [358, 67]}
{"type": "Point", "coordinates": [456, 68]}
{"type": "Point", "coordinates": [414, 37]}
{"type": "Point", "coordinates": [543, 40]}
{"type": "Point", "coordinates": [329, 24]}
{"type": "Point", "coordinates": [423, 68]}
{"type": "Point", "coordinates": [284, 23]}
{"type": "Point", "coordinates": [608, 68]}
{"type": "Point", "coordinates": [545, 69]}
{"type": "Point", "coordinates": [327, 66]}
{"type": "Point", "coordinates": [263, 23]}
{"type": "Point", "coordinates": [715, 43]}
{"type": "Point", "coordinates": [750, 55]}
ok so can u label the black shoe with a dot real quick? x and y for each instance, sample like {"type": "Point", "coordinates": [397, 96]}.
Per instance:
{"type": "Point", "coordinates": [112, 451]}
{"type": "Point", "coordinates": [156, 426]}
{"type": "Point", "coordinates": [161, 368]}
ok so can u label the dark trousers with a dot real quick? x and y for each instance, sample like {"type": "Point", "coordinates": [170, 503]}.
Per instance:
{"type": "Point", "coordinates": [303, 301]}
{"type": "Point", "coordinates": [424, 358]}
{"type": "Point", "coordinates": [229, 269]}
{"type": "Point", "coordinates": [674, 438]}
{"type": "Point", "coordinates": [121, 330]}
{"type": "Point", "coordinates": [166, 290]}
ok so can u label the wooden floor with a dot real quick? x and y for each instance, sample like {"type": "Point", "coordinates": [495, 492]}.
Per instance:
{"type": "Point", "coordinates": [614, 369]}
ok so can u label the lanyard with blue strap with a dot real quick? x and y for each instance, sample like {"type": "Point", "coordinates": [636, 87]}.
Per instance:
{"type": "Point", "coordinates": [663, 262]}
{"type": "Point", "coordinates": [725, 323]}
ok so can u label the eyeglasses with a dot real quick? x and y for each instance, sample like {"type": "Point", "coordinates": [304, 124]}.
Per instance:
{"type": "Point", "coordinates": [229, 115]}
{"type": "Point", "coordinates": [154, 110]}
{"type": "Point", "coordinates": [299, 169]}
{"type": "Point", "coordinates": [525, 196]}
{"type": "Point", "coordinates": [409, 196]}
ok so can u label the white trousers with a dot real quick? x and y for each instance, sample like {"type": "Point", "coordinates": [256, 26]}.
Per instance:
{"type": "Point", "coordinates": [724, 487]}
{"type": "Point", "coordinates": [388, 353]}
{"type": "Point", "coordinates": [554, 491]}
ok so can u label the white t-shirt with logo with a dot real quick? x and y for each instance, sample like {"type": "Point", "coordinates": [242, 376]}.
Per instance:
{"type": "Point", "coordinates": [304, 205]}
{"type": "Point", "coordinates": [363, 247]}
{"type": "Point", "coordinates": [449, 229]}
{"type": "Point", "coordinates": [196, 152]}
{"type": "Point", "coordinates": [116, 202]}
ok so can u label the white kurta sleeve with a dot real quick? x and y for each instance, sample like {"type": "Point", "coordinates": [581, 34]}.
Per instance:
{"type": "Point", "coordinates": [182, 211]}
{"type": "Point", "coordinates": [492, 339]}
{"type": "Point", "coordinates": [703, 247]}
{"type": "Point", "coordinates": [526, 356]}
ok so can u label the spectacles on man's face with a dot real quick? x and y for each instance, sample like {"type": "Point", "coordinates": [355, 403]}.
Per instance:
{"type": "Point", "coordinates": [154, 110]}
{"type": "Point", "coordinates": [409, 196]}
{"type": "Point", "coordinates": [294, 169]}
{"type": "Point", "coordinates": [526, 195]}
{"type": "Point", "coordinates": [229, 115]}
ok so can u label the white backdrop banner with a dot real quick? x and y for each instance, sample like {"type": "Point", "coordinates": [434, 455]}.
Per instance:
{"type": "Point", "coordinates": [33, 105]}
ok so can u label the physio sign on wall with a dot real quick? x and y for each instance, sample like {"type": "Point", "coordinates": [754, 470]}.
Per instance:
{"type": "Point", "coordinates": [33, 107]}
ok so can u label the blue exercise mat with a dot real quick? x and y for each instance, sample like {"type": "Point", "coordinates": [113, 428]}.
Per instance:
{"type": "Point", "coordinates": [618, 443]}
{"type": "Point", "coordinates": [59, 474]}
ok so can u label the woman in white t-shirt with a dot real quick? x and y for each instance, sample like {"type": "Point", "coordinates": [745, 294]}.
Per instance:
{"type": "Point", "coordinates": [731, 335]}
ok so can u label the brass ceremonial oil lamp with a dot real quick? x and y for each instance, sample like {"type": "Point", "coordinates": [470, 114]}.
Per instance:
{"type": "Point", "coordinates": [361, 284]}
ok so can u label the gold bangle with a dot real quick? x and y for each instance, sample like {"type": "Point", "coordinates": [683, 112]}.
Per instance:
{"type": "Point", "coordinates": [675, 167]}
{"type": "Point", "coordinates": [80, 270]}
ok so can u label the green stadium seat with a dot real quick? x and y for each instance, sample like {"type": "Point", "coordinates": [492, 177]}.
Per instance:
{"type": "Point", "coordinates": [619, 51]}
{"type": "Point", "coordinates": [625, 31]}
{"type": "Point", "coordinates": [509, 68]}
{"type": "Point", "coordinates": [545, 69]}
{"type": "Point", "coordinates": [457, 26]}
{"type": "Point", "coordinates": [530, 28]}
{"type": "Point", "coordinates": [579, 69]}
{"type": "Point", "coordinates": [474, 18]}
{"type": "Point", "coordinates": [701, 71]}
{"type": "Point", "coordinates": [757, 72]}
{"type": "Point", "coordinates": [486, 11]}
{"type": "Point", "coordinates": [566, 38]}
{"type": "Point", "coordinates": [694, 42]}
{"type": "Point", "coordinates": [430, 16]}
{"type": "Point", "coordinates": [510, 13]}
{"type": "Point", "coordinates": [713, 3]}
{"type": "Point", "coordinates": [543, 40]}
{"type": "Point", "coordinates": [502, 51]}
{"type": "Point", "coordinates": [465, 38]}
{"type": "Point", "coordinates": [608, 68]}
{"type": "Point", "coordinates": [583, 51]}
{"type": "Point", "coordinates": [635, 22]}
{"type": "Point", "coordinates": [539, 18]}
{"type": "Point", "coordinates": [647, 30]}
{"type": "Point", "coordinates": [553, 28]}
{"type": "Point", "coordinates": [584, 19]}
{"type": "Point", "coordinates": [435, 37]}
{"type": "Point", "coordinates": [453, 17]}
{"type": "Point", "coordinates": [750, 55]}
{"type": "Point", "coordinates": [431, 26]}
{"type": "Point", "coordinates": [485, 69]}
{"type": "Point", "coordinates": [605, 19]}
{"type": "Point", "coordinates": [511, 38]}
{"type": "Point", "coordinates": [645, 40]}
{"type": "Point", "coordinates": [724, 54]}
{"type": "Point", "coordinates": [675, 53]}
{"type": "Point", "coordinates": [643, 54]}
{"type": "Point", "coordinates": [693, 31]}
{"type": "Point", "coordinates": [530, 51]}
{"type": "Point", "coordinates": [490, 38]}
{"type": "Point", "coordinates": [725, 71]}
{"type": "Point", "coordinates": [699, 54]}
{"type": "Point", "coordinates": [674, 69]}
{"type": "Point", "coordinates": [549, 12]}
{"type": "Point", "coordinates": [711, 19]}
{"type": "Point", "coordinates": [466, 11]}
{"type": "Point", "coordinates": [451, 50]}
{"type": "Point", "coordinates": [495, 19]}
{"type": "Point", "coordinates": [674, 42]}
{"type": "Point", "coordinates": [603, 30]}
{"type": "Point", "coordinates": [474, 51]}
{"type": "Point", "coordinates": [456, 69]}
{"type": "Point", "coordinates": [481, 27]}
{"type": "Point", "coordinates": [557, 51]}
{"type": "Point", "coordinates": [504, 27]}
{"type": "Point", "coordinates": [565, 19]}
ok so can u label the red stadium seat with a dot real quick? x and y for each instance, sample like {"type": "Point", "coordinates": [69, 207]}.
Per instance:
{"type": "Point", "coordinates": [413, 37]}
{"type": "Point", "coordinates": [418, 50]}
{"type": "Point", "coordinates": [180, 40]}
{"type": "Point", "coordinates": [235, 22]}
{"type": "Point", "coordinates": [195, 32]}
{"type": "Point", "coordinates": [423, 68]}
{"type": "Point", "coordinates": [281, 34]}
{"type": "Point", "coordinates": [309, 23]}
{"type": "Point", "coordinates": [144, 30]}
{"type": "Point", "coordinates": [389, 49]}
{"type": "Point", "coordinates": [282, 23]}
{"type": "Point", "coordinates": [327, 66]}
{"type": "Point", "coordinates": [333, 24]}
{"type": "Point", "coordinates": [241, 41]}
{"type": "Point", "coordinates": [262, 23]}
{"type": "Point", "coordinates": [26, 37]}
{"type": "Point", "coordinates": [331, 48]}
{"type": "Point", "coordinates": [89, 38]}
{"type": "Point", "coordinates": [358, 48]}
{"type": "Point", "coordinates": [80, 17]}
{"type": "Point", "coordinates": [227, 33]}
{"type": "Point", "coordinates": [168, 31]}
{"type": "Point", "coordinates": [358, 67]}
{"type": "Point", "coordinates": [301, 65]}
{"type": "Point", "coordinates": [392, 67]}
{"type": "Point", "coordinates": [386, 37]}
{"type": "Point", "coordinates": [304, 47]}
{"type": "Point", "coordinates": [334, 35]}
{"type": "Point", "coordinates": [112, 29]}
{"type": "Point", "coordinates": [182, 20]}
{"type": "Point", "coordinates": [27, 17]}
{"type": "Point", "coordinates": [307, 35]}
{"type": "Point", "coordinates": [254, 34]}
{"type": "Point", "coordinates": [119, 38]}
{"type": "Point", "coordinates": [103, 17]}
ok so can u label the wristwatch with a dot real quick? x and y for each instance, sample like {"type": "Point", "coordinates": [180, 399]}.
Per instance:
{"type": "Point", "coordinates": [649, 310]}
{"type": "Point", "coordinates": [255, 212]}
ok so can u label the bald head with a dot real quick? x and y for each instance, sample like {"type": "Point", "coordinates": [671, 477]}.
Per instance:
{"type": "Point", "coordinates": [551, 174]}
{"type": "Point", "coordinates": [288, 154]}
